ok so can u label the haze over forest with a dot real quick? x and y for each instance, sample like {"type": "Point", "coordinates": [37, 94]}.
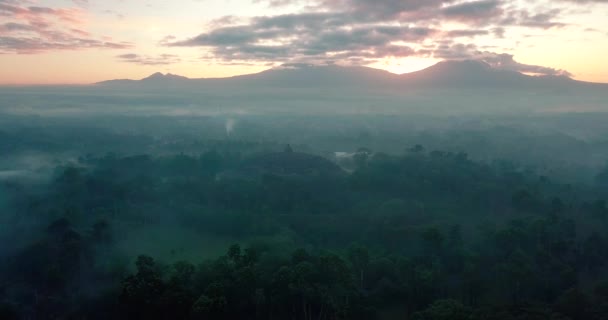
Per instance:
{"type": "Point", "coordinates": [315, 159]}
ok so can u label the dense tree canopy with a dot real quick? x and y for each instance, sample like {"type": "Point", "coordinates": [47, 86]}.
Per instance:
{"type": "Point", "coordinates": [424, 235]}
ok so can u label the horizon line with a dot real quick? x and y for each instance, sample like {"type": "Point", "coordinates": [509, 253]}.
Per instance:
{"type": "Point", "coordinates": [31, 85]}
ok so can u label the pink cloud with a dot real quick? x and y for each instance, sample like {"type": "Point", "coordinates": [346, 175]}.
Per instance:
{"type": "Point", "coordinates": [36, 29]}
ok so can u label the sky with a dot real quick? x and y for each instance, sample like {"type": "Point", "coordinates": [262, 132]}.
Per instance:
{"type": "Point", "coordinates": [85, 41]}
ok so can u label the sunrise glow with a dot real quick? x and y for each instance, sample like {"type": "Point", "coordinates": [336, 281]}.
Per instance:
{"type": "Point", "coordinates": [79, 42]}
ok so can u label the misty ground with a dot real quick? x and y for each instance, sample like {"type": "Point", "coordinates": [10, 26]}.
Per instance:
{"type": "Point", "coordinates": [467, 213]}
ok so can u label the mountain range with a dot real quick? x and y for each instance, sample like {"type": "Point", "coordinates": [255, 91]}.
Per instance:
{"type": "Point", "coordinates": [445, 74]}
{"type": "Point", "coordinates": [450, 87]}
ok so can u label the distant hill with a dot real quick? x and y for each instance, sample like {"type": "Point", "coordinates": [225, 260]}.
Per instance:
{"type": "Point", "coordinates": [154, 79]}
{"type": "Point", "coordinates": [442, 75]}
{"type": "Point", "coordinates": [471, 73]}
{"type": "Point", "coordinates": [295, 77]}
{"type": "Point", "coordinates": [463, 73]}
{"type": "Point", "coordinates": [450, 87]}
{"type": "Point", "coordinates": [159, 77]}
{"type": "Point", "coordinates": [319, 76]}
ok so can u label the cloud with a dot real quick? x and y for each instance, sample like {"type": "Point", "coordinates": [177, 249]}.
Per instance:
{"type": "Point", "coordinates": [506, 62]}
{"type": "Point", "coordinates": [543, 19]}
{"type": "Point", "coordinates": [466, 33]}
{"type": "Point", "coordinates": [382, 10]}
{"type": "Point", "coordinates": [82, 3]}
{"type": "Point", "coordinates": [12, 26]}
{"type": "Point", "coordinates": [319, 36]}
{"type": "Point", "coordinates": [145, 60]}
{"type": "Point", "coordinates": [585, 1]}
{"type": "Point", "coordinates": [275, 3]}
{"type": "Point", "coordinates": [367, 31]}
{"type": "Point", "coordinates": [26, 45]}
{"type": "Point", "coordinates": [499, 61]}
{"type": "Point", "coordinates": [455, 51]}
{"type": "Point", "coordinates": [36, 29]}
{"type": "Point", "coordinates": [117, 14]}
{"type": "Point", "coordinates": [476, 12]}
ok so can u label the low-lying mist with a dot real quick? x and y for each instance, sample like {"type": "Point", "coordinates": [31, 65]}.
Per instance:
{"type": "Point", "coordinates": [111, 197]}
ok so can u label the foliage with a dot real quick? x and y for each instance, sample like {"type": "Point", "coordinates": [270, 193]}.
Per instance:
{"type": "Point", "coordinates": [422, 235]}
